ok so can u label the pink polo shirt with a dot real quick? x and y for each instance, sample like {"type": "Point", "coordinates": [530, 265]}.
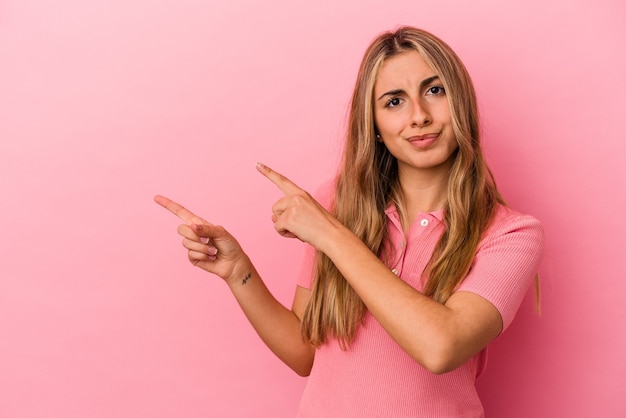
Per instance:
{"type": "Point", "coordinates": [375, 377]}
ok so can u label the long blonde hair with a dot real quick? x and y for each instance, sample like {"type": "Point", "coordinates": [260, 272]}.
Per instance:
{"type": "Point", "coordinates": [368, 182]}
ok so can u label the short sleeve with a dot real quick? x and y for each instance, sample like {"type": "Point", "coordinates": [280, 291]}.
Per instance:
{"type": "Point", "coordinates": [324, 195]}
{"type": "Point", "coordinates": [506, 262]}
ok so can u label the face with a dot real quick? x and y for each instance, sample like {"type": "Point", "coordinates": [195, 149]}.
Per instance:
{"type": "Point", "coordinates": [412, 115]}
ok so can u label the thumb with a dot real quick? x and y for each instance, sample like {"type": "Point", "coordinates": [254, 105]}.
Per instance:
{"type": "Point", "coordinates": [208, 231]}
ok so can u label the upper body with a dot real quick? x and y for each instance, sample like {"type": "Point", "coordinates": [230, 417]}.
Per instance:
{"type": "Point", "coordinates": [412, 151]}
{"type": "Point", "coordinates": [375, 377]}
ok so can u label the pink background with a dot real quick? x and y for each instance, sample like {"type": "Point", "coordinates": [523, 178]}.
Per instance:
{"type": "Point", "coordinates": [104, 104]}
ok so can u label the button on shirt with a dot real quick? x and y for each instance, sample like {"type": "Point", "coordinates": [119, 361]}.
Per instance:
{"type": "Point", "coordinates": [427, 225]}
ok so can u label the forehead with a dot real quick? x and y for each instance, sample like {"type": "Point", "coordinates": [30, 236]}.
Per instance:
{"type": "Point", "coordinates": [406, 69]}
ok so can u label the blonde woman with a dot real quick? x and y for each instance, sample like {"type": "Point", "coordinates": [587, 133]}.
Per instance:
{"type": "Point", "coordinates": [416, 264]}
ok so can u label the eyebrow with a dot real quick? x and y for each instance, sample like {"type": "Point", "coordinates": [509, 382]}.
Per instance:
{"type": "Point", "coordinates": [423, 84]}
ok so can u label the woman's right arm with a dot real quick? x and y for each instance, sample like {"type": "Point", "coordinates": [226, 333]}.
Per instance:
{"type": "Point", "coordinates": [278, 327]}
{"type": "Point", "coordinates": [215, 250]}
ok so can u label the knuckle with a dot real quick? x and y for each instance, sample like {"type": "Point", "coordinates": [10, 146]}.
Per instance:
{"type": "Point", "coordinates": [195, 256]}
{"type": "Point", "coordinates": [301, 196]}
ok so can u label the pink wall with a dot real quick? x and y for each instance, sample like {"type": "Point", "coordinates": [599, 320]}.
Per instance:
{"type": "Point", "coordinates": [104, 104]}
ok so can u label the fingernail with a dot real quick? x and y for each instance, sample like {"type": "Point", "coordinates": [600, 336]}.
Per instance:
{"type": "Point", "coordinates": [212, 251]}
{"type": "Point", "coordinates": [204, 240]}
{"type": "Point", "coordinates": [260, 167]}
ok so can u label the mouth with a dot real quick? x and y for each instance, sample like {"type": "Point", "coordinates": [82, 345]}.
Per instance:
{"type": "Point", "coordinates": [423, 141]}
{"type": "Point", "coordinates": [423, 137]}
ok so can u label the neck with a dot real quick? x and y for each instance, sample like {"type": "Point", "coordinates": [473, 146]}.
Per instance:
{"type": "Point", "coordinates": [423, 190]}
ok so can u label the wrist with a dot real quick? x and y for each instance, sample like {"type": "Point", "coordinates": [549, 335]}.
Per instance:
{"type": "Point", "coordinates": [241, 273]}
{"type": "Point", "coordinates": [335, 240]}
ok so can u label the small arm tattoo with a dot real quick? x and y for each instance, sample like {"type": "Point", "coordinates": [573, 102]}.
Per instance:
{"type": "Point", "coordinates": [246, 278]}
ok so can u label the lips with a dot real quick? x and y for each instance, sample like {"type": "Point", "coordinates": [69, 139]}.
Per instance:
{"type": "Point", "coordinates": [423, 141]}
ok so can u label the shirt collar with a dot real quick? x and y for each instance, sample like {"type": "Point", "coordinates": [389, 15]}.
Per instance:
{"type": "Point", "coordinates": [392, 213]}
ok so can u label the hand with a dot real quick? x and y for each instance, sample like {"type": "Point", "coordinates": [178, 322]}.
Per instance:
{"type": "Point", "coordinates": [297, 214]}
{"type": "Point", "coordinates": [210, 247]}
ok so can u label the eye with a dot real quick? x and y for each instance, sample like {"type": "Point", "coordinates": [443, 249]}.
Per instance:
{"type": "Point", "coordinates": [435, 91]}
{"type": "Point", "coordinates": [396, 101]}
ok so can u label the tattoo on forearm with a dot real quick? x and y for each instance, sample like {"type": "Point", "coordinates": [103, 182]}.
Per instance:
{"type": "Point", "coordinates": [246, 278]}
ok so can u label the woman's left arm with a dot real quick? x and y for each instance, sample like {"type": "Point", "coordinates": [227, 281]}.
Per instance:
{"type": "Point", "coordinates": [439, 336]}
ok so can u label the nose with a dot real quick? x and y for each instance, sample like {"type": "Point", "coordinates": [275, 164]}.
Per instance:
{"type": "Point", "coordinates": [420, 116]}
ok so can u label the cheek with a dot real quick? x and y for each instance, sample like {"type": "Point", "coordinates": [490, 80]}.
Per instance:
{"type": "Point", "coordinates": [452, 143]}
{"type": "Point", "coordinates": [444, 114]}
{"type": "Point", "coordinates": [390, 122]}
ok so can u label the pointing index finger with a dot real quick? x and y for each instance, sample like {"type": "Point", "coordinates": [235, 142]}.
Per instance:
{"type": "Point", "coordinates": [283, 183]}
{"type": "Point", "coordinates": [179, 210]}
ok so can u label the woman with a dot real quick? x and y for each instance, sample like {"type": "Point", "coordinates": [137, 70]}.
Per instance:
{"type": "Point", "coordinates": [418, 264]}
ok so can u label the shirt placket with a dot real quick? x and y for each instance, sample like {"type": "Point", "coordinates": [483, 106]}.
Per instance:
{"type": "Point", "coordinates": [420, 228]}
